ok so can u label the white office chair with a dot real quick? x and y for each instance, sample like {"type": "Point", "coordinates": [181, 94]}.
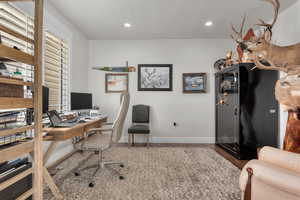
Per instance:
{"type": "Point", "coordinates": [102, 139]}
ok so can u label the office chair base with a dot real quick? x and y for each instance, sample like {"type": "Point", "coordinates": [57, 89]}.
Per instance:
{"type": "Point", "coordinates": [91, 185]}
{"type": "Point", "coordinates": [99, 167]}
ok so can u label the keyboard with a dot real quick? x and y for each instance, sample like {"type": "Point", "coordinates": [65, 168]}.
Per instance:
{"type": "Point", "coordinates": [72, 120]}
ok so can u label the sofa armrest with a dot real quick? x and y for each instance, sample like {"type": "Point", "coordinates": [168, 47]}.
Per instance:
{"type": "Point", "coordinates": [280, 178]}
{"type": "Point", "coordinates": [280, 158]}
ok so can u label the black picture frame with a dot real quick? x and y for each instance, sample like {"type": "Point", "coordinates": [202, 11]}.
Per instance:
{"type": "Point", "coordinates": [158, 66]}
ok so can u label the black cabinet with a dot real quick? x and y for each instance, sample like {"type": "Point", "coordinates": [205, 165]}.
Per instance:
{"type": "Point", "coordinates": [246, 110]}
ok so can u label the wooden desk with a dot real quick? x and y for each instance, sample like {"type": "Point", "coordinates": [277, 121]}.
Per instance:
{"type": "Point", "coordinates": [56, 135]}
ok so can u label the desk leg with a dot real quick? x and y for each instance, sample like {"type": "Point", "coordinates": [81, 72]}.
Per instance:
{"type": "Point", "coordinates": [49, 151]}
{"type": "Point", "coordinates": [48, 179]}
{"type": "Point", "coordinates": [54, 189]}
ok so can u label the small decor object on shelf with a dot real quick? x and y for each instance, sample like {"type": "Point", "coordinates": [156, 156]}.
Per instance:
{"type": "Point", "coordinates": [11, 90]}
{"type": "Point", "coordinates": [229, 59]}
{"type": "Point", "coordinates": [194, 82]}
{"type": "Point", "coordinates": [268, 56]}
{"type": "Point", "coordinates": [117, 69]}
{"type": "Point", "coordinates": [116, 83]}
{"type": "Point", "coordinates": [3, 70]}
{"type": "Point", "coordinates": [220, 64]}
{"type": "Point", "coordinates": [17, 74]}
{"type": "Point", "coordinates": [155, 77]}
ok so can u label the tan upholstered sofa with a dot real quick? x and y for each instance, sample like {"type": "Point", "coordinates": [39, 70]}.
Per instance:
{"type": "Point", "coordinates": [274, 176]}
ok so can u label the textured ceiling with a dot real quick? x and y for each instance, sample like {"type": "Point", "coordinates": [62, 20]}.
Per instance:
{"type": "Point", "coordinates": [162, 19]}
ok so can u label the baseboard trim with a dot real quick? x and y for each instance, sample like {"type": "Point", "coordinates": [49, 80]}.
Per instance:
{"type": "Point", "coordinates": [174, 140]}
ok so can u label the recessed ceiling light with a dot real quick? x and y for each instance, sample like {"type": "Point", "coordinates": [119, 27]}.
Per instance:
{"type": "Point", "coordinates": [127, 25]}
{"type": "Point", "coordinates": [209, 23]}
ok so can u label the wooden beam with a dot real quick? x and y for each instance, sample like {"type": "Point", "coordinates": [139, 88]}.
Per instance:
{"type": "Point", "coordinates": [38, 81]}
{"type": "Point", "coordinates": [25, 195]}
{"type": "Point", "coordinates": [12, 81]}
{"type": "Point", "coordinates": [11, 102]}
{"type": "Point", "coordinates": [15, 151]}
{"type": "Point", "coordinates": [13, 131]}
{"type": "Point", "coordinates": [15, 179]}
{"type": "Point", "coordinates": [62, 159]}
{"type": "Point", "coordinates": [8, 54]}
{"type": "Point", "coordinates": [16, 34]}
{"type": "Point", "coordinates": [54, 189]}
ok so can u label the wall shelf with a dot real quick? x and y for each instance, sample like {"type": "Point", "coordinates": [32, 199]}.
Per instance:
{"type": "Point", "coordinates": [11, 102]}
{"type": "Point", "coordinates": [15, 151]}
{"type": "Point", "coordinates": [8, 54]}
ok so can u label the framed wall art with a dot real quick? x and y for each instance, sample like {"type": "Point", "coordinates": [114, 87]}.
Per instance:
{"type": "Point", "coordinates": [194, 82]}
{"type": "Point", "coordinates": [116, 83]}
{"type": "Point", "coordinates": [155, 77]}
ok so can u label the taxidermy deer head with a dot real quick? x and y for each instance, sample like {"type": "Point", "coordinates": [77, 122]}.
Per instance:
{"type": "Point", "coordinates": [269, 56]}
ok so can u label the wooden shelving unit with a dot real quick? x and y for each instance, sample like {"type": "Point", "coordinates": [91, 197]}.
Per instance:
{"type": "Point", "coordinates": [34, 147]}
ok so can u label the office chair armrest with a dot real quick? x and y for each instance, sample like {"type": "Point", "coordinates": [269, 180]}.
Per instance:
{"type": "Point", "coordinates": [108, 124]}
{"type": "Point", "coordinates": [101, 129]}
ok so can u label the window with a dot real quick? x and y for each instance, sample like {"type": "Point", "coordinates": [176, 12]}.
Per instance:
{"type": "Point", "coordinates": [57, 72]}
{"type": "Point", "coordinates": [56, 56]}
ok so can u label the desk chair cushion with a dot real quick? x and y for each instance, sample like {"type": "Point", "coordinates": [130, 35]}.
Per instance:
{"type": "Point", "coordinates": [139, 129]}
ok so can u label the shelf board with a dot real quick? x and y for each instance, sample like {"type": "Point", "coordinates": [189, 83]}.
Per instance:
{"type": "Point", "coordinates": [15, 179]}
{"type": "Point", "coordinates": [25, 195]}
{"type": "Point", "coordinates": [12, 81]}
{"type": "Point", "coordinates": [11, 102]}
{"type": "Point", "coordinates": [12, 131]}
{"type": "Point", "coordinates": [16, 34]}
{"type": "Point", "coordinates": [8, 54]}
{"type": "Point", "coordinates": [15, 151]}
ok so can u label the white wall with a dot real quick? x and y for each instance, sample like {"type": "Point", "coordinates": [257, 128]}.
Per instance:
{"type": "Point", "coordinates": [287, 32]}
{"type": "Point", "coordinates": [61, 27]}
{"type": "Point", "coordinates": [194, 113]}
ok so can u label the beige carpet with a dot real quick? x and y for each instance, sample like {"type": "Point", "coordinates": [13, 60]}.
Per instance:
{"type": "Point", "coordinates": [157, 173]}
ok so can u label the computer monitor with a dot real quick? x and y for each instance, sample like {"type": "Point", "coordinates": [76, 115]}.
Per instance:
{"type": "Point", "coordinates": [81, 101]}
{"type": "Point", "coordinates": [45, 99]}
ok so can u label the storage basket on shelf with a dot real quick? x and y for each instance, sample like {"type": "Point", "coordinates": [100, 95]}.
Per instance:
{"type": "Point", "coordinates": [11, 90]}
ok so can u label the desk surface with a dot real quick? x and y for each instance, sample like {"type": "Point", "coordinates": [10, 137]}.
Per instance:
{"type": "Point", "coordinates": [60, 134]}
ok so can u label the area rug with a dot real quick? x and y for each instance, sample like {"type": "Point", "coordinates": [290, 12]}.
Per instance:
{"type": "Point", "coordinates": [157, 173]}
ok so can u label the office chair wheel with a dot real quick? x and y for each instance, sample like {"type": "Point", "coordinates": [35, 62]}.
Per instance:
{"type": "Point", "coordinates": [121, 177]}
{"type": "Point", "coordinates": [91, 184]}
{"type": "Point", "coordinates": [77, 174]}
{"type": "Point", "coordinates": [122, 165]}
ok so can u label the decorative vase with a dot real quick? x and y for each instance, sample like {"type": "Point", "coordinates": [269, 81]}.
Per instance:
{"type": "Point", "coordinates": [292, 135]}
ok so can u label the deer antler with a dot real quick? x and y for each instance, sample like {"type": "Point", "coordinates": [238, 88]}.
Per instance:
{"type": "Point", "coordinates": [238, 35]}
{"type": "Point", "coordinates": [276, 6]}
{"type": "Point", "coordinates": [272, 66]}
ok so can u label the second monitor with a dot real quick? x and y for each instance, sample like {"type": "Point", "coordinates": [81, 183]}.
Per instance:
{"type": "Point", "coordinates": [81, 101]}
